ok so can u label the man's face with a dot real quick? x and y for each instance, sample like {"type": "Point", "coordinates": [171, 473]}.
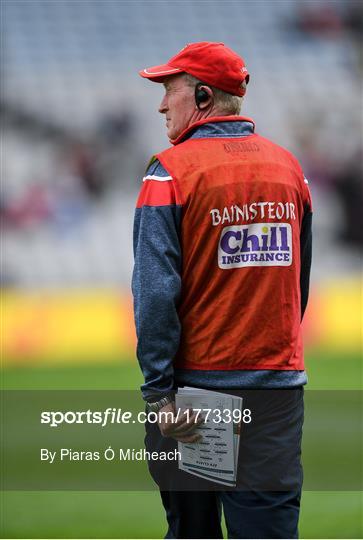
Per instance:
{"type": "Point", "coordinates": [178, 105]}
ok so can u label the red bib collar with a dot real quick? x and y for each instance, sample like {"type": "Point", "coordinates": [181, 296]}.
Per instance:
{"type": "Point", "coordinates": [210, 120]}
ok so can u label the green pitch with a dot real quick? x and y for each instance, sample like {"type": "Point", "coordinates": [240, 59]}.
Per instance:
{"type": "Point", "coordinates": [139, 515]}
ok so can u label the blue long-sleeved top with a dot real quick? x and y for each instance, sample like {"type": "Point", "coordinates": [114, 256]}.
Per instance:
{"type": "Point", "coordinates": [156, 286]}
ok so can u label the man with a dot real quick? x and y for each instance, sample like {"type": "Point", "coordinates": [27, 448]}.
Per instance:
{"type": "Point", "coordinates": [222, 242]}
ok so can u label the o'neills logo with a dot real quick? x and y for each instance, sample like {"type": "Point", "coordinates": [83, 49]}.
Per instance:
{"type": "Point", "coordinates": [257, 244]}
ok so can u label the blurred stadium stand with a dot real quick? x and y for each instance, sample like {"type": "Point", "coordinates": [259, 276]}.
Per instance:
{"type": "Point", "coordinates": [79, 125]}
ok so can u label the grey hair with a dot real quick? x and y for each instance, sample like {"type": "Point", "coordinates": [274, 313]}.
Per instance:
{"type": "Point", "coordinates": [226, 103]}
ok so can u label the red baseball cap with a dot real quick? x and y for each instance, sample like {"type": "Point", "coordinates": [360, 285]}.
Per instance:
{"type": "Point", "coordinates": [211, 63]}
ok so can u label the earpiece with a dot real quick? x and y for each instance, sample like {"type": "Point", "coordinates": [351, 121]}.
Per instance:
{"type": "Point", "coordinates": [200, 95]}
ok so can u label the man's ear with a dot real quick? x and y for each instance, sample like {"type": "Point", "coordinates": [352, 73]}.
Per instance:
{"type": "Point", "coordinates": [203, 96]}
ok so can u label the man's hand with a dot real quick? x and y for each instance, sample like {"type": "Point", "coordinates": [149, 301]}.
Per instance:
{"type": "Point", "coordinates": [179, 429]}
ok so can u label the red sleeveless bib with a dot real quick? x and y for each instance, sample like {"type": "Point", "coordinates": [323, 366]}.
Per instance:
{"type": "Point", "coordinates": [243, 202]}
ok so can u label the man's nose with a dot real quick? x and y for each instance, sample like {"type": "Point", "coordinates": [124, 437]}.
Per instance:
{"type": "Point", "coordinates": [163, 107]}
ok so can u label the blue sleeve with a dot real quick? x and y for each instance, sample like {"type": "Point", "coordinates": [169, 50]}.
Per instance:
{"type": "Point", "coordinates": [305, 256]}
{"type": "Point", "coordinates": [156, 283]}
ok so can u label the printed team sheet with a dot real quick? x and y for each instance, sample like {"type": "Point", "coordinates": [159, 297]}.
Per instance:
{"type": "Point", "coordinates": [215, 456]}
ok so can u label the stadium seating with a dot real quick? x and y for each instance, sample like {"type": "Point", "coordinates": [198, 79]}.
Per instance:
{"type": "Point", "coordinates": [68, 65]}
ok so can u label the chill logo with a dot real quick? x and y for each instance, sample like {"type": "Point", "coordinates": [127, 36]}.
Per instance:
{"type": "Point", "coordinates": [257, 244]}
